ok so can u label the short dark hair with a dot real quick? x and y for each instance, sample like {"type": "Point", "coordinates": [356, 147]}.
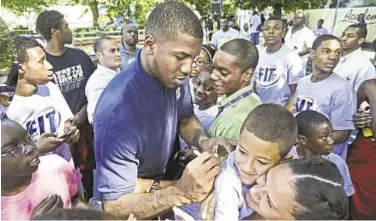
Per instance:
{"type": "Point", "coordinates": [245, 52]}
{"type": "Point", "coordinates": [22, 45]}
{"type": "Point", "coordinates": [98, 44]}
{"type": "Point", "coordinates": [319, 40]}
{"type": "Point", "coordinates": [308, 121]}
{"type": "Point", "coordinates": [273, 123]}
{"type": "Point", "coordinates": [318, 190]}
{"type": "Point", "coordinates": [361, 29]}
{"type": "Point", "coordinates": [75, 214]}
{"type": "Point", "coordinates": [47, 20]}
{"type": "Point", "coordinates": [169, 19]}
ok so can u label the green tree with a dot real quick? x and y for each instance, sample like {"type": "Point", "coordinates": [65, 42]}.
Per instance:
{"type": "Point", "coordinates": [21, 6]}
{"type": "Point", "coordinates": [8, 53]}
{"type": "Point", "coordinates": [278, 5]}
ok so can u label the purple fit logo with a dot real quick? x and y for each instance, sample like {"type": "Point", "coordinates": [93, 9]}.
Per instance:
{"type": "Point", "coordinates": [267, 76]}
{"type": "Point", "coordinates": [352, 17]}
{"type": "Point", "coordinates": [303, 103]}
{"type": "Point", "coordinates": [47, 121]}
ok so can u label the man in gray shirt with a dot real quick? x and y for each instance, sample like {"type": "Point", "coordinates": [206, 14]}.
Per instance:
{"type": "Point", "coordinates": [328, 93]}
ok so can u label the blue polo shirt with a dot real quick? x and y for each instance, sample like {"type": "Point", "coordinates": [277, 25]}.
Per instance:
{"type": "Point", "coordinates": [135, 125]}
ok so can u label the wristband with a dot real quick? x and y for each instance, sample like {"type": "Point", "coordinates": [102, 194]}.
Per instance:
{"type": "Point", "coordinates": [155, 186]}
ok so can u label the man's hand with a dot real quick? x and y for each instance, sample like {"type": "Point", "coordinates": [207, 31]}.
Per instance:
{"type": "Point", "coordinates": [198, 178]}
{"type": "Point", "coordinates": [48, 142]}
{"type": "Point", "coordinates": [71, 128]}
{"type": "Point", "coordinates": [362, 120]}
{"type": "Point", "coordinates": [49, 204]}
{"type": "Point", "coordinates": [218, 145]}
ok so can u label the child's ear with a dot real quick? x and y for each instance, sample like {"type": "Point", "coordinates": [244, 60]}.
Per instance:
{"type": "Point", "coordinates": [247, 75]}
{"type": "Point", "coordinates": [302, 139]}
{"type": "Point", "coordinates": [21, 69]}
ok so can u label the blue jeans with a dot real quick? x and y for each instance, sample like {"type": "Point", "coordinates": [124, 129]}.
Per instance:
{"type": "Point", "coordinates": [255, 38]}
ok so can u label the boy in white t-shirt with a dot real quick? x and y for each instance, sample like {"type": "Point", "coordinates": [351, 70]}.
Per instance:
{"type": "Point", "coordinates": [265, 139]}
{"type": "Point", "coordinates": [38, 105]}
{"type": "Point", "coordinates": [279, 68]}
{"type": "Point", "coordinates": [315, 140]}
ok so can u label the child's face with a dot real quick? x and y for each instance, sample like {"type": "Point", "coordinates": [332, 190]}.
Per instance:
{"type": "Point", "coordinates": [321, 141]}
{"type": "Point", "coordinates": [254, 156]}
{"type": "Point", "coordinates": [199, 63]}
{"type": "Point", "coordinates": [19, 157]}
{"type": "Point", "coordinates": [204, 89]}
{"type": "Point", "coordinates": [36, 69]}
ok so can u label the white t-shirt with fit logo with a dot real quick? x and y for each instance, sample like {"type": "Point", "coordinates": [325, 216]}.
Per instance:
{"type": "Point", "coordinates": [275, 73]}
{"type": "Point", "coordinates": [44, 112]}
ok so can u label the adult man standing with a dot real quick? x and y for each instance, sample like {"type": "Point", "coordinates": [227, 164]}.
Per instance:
{"type": "Point", "coordinates": [279, 68]}
{"type": "Point", "coordinates": [129, 42]}
{"type": "Point", "coordinates": [255, 23]}
{"type": "Point", "coordinates": [234, 64]}
{"type": "Point", "coordinates": [245, 33]}
{"type": "Point", "coordinates": [137, 118]}
{"type": "Point", "coordinates": [225, 34]}
{"type": "Point", "coordinates": [354, 66]}
{"type": "Point", "coordinates": [71, 71]}
{"type": "Point", "coordinates": [320, 30]}
{"type": "Point", "coordinates": [299, 37]}
{"type": "Point", "coordinates": [109, 60]}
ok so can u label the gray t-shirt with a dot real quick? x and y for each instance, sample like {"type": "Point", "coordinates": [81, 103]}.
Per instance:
{"type": "Point", "coordinates": [333, 97]}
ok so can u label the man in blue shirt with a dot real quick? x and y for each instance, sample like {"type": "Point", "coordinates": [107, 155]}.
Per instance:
{"type": "Point", "coordinates": [128, 47]}
{"type": "Point", "coordinates": [137, 118]}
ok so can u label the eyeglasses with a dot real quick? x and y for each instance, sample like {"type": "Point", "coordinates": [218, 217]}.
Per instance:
{"type": "Point", "coordinates": [199, 62]}
{"type": "Point", "coordinates": [20, 149]}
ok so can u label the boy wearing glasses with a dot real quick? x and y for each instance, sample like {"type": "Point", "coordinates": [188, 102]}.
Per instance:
{"type": "Point", "coordinates": [32, 185]}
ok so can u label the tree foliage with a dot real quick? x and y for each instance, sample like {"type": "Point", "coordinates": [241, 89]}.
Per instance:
{"type": "Point", "coordinates": [7, 49]}
{"type": "Point", "coordinates": [20, 6]}
{"type": "Point", "coordinates": [286, 5]}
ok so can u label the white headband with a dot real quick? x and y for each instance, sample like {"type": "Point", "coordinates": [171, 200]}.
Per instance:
{"type": "Point", "coordinates": [317, 178]}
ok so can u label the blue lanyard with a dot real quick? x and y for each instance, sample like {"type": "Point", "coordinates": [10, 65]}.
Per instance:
{"type": "Point", "coordinates": [233, 101]}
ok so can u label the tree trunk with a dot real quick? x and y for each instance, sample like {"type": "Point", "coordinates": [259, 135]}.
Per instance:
{"type": "Point", "coordinates": [94, 10]}
{"type": "Point", "coordinates": [278, 10]}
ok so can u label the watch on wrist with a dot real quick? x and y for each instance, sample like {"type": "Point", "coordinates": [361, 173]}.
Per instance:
{"type": "Point", "coordinates": [155, 186]}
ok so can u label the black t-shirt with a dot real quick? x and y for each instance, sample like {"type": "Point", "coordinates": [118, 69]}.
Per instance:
{"type": "Point", "coordinates": [71, 73]}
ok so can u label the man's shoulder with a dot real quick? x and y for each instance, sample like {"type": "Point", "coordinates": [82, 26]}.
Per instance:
{"type": "Point", "coordinates": [77, 51]}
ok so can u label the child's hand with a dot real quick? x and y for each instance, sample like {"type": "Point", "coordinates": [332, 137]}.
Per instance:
{"type": "Point", "coordinates": [69, 127]}
{"type": "Point", "coordinates": [48, 205]}
{"type": "Point", "coordinates": [48, 142]}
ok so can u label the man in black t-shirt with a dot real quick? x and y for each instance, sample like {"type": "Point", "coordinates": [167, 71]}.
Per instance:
{"type": "Point", "coordinates": [71, 70]}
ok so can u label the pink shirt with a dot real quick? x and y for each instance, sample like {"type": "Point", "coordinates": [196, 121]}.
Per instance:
{"type": "Point", "coordinates": [54, 176]}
